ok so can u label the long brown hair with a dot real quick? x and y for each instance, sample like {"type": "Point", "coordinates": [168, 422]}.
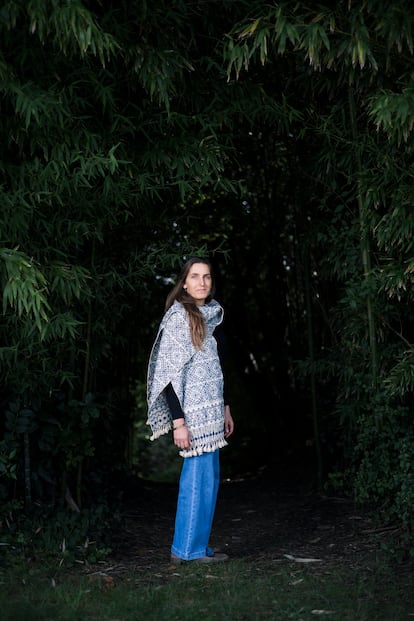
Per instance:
{"type": "Point", "coordinates": [197, 323]}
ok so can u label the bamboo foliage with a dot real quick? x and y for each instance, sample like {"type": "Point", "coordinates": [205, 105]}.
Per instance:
{"type": "Point", "coordinates": [360, 58]}
{"type": "Point", "coordinates": [101, 136]}
{"type": "Point", "coordinates": [71, 27]}
{"type": "Point", "coordinates": [126, 133]}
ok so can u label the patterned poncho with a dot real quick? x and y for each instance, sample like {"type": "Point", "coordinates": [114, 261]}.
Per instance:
{"type": "Point", "coordinates": [195, 375]}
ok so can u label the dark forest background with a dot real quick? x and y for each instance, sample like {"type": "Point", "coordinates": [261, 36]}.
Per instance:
{"type": "Point", "coordinates": [276, 138]}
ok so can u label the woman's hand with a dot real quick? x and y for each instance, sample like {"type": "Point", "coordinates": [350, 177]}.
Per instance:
{"type": "Point", "coordinates": [181, 434]}
{"type": "Point", "coordinates": [228, 422]}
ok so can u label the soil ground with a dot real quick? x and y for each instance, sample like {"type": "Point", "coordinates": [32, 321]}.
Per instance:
{"type": "Point", "coordinates": [257, 518]}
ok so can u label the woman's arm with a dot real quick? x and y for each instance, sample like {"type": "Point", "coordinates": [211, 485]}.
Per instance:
{"type": "Point", "coordinates": [222, 354]}
{"type": "Point", "coordinates": [180, 431]}
{"type": "Point", "coordinates": [228, 422]}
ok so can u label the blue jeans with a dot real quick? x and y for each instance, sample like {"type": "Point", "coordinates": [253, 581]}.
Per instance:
{"type": "Point", "coordinates": [197, 495]}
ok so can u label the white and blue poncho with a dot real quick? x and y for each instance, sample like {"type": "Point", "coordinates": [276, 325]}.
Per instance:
{"type": "Point", "coordinates": [195, 375]}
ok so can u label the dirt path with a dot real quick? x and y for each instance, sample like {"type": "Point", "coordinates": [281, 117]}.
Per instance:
{"type": "Point", "coordinates": [256, 519]}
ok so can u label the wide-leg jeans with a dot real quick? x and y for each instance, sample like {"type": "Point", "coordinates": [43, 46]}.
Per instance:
{"type": "Point", "coordinates": [197, 495]}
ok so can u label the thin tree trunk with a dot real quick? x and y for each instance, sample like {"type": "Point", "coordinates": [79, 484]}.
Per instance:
{"type": "Point", "coordinates": [365, 246]}
{"type": "Point", "coordinates": [27, 472]}
{"type": "Point", "coordinates": [311, 347]}
{"type": "Point", "coordinates": [86, 380]}
{"type": "Point", "coordinates": [79, 483]}
{"type": "Point", "coordinates": [86, 370]}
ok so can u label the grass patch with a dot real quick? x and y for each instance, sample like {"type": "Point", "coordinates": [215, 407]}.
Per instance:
{"type": "Point", "coordinates": [236, 591]}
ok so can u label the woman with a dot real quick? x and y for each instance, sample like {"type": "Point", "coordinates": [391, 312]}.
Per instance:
{"type": "Point", "coordinates": [185, 395]}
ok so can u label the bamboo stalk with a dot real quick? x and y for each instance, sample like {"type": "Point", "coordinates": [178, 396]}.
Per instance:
{"type": "Point", "coordinates": [365, 245]}
{"type": "Point", "coordinates": [86, 370]}
{"type": "Point", "coordinates": [27, 472]}
{"type": "Point", "coordinates": [311, 348]}
{"type": "Point", "coordinates": [86, 379]}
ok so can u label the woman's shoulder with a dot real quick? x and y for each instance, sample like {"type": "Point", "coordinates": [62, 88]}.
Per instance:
{"type": "Point", "coordinates": [214, 304]}
{"type": "Point", "coordinates": [212, 312]}
{"type": "Point", "coordinates": [175, 314]}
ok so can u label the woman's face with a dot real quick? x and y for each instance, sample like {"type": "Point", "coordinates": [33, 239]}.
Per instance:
{"type": "Point", "coordinates": [198, 282]}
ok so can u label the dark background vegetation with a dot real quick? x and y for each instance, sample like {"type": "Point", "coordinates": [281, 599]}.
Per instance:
{"type": "Point", "coordinates": [275, 138]}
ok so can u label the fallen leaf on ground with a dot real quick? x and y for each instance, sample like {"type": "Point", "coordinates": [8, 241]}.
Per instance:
{"type": "Point", "coordinates": [298, 559]}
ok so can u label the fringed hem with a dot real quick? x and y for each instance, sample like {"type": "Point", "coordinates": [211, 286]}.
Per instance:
{"type": "Point", "coordinates": [161, 431]}
{"type": "Point", "coordinates": [207, 448]}
{"type": "Point", "coordinates": [204, 439]}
